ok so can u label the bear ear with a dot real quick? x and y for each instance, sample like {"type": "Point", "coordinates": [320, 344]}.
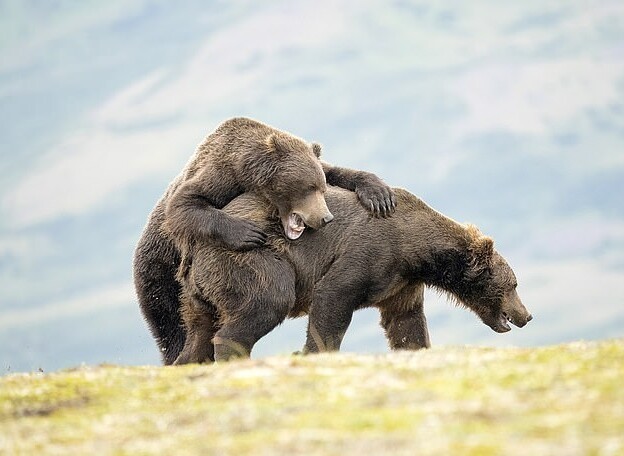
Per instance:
{"type": "Point", "coordinates": [482, 249]}
{"type": "Point", "coordinates": [316, 148]}
{"type": "Point", "coordinates": [275, 144]}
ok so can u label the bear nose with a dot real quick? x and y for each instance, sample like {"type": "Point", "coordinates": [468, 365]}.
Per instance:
{"type": "Point", "coordinates": [529, 318]}
{"type": "Point", "coordinates": [328, 218]}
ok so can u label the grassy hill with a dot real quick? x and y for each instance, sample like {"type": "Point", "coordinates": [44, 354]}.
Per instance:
{"type": "Point", "coordinates": [565, 399]}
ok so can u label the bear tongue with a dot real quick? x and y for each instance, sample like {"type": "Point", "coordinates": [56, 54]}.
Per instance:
{"type": "Point", "coordinates": [293, 226]}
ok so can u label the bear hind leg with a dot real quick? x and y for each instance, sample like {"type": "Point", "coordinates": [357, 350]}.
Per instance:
{"type": "Point", "coordinates": [156, 261]}
{"type": "Point", "coordinates": [201, 323]}
{"type": "Point", "coordinates": [236, 338]}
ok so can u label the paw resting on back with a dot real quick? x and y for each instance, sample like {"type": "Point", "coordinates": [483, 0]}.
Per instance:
{"type": "Point", "coordinates": [376, 196]}
{"type": "Point", "coordinates": [239, 234]}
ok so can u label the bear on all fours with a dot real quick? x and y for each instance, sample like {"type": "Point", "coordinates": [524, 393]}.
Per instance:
{"type": "Point", "coordinates": [241, 155]}
{"type": "Point", "coordinates": [231, 298]}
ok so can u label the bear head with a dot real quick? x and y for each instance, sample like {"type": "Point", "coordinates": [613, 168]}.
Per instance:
{"type": "Point", "coordinates": [488, 286]}
{"type": "Point", "coordinates": [296, 185]}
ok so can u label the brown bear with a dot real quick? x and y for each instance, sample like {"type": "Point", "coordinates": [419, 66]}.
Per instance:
{"type": "Point", "coordinates": [231, 299]}
{"type": "Point", "coordinates": [241, 155]}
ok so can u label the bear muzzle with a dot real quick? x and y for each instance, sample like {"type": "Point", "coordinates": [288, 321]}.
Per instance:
{"type": "Point", "coordinates": [514, 312]}
{"type": "Point", "coordinates": [294, 225]}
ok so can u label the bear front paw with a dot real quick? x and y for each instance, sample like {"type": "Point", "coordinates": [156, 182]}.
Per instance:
{"type": "Point", "coordinates": [240, 234]}
{"type": "Point", "coordinates": [376, 196]}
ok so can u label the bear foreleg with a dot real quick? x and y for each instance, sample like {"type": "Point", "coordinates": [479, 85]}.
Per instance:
{"type": "Point", "coordinates": [331, 311]}
{"type": "Point", "coordinates": [404, 321]}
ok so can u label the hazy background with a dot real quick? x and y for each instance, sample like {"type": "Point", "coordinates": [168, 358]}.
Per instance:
{"type": "Point", "coordinates": [509, 115]}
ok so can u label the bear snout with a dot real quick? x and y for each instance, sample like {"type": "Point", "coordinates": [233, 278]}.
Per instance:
{"type": "Point", "coordinates": [518, 316]}
{"type": "Point", "coordinates": [523, 323]}
{"type": "Point", "coordinates": [514, 311]}
{"type": "Point", "coordinates": [313, 210]}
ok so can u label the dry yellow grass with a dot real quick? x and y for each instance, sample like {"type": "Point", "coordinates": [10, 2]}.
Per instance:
{"type": "Point", "coordinates": [565, 399]}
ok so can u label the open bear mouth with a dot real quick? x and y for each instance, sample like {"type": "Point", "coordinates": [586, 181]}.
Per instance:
{"type": "Point", "coordinates": [293, 226]}
{"type": "Point", "coordinates": [501, 324]}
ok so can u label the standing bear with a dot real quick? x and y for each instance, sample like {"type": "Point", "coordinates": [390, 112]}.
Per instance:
{"type": "Point", "coordinates": [231, 299]}
{"type": "Point", "coordinates": [241, 155]}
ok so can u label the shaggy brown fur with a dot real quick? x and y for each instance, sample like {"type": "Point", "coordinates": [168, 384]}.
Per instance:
{"type": "Point", "coordinates": [241, 155]}
{"type": "Point", "coordinates": [357, 261]}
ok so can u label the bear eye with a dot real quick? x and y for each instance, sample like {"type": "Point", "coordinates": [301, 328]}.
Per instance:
{"type": "Point", "coordinates": [312, 187]}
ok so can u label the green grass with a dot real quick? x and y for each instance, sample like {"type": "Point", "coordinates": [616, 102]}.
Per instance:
{"type": "Point", "coordinates": [566, 399]}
